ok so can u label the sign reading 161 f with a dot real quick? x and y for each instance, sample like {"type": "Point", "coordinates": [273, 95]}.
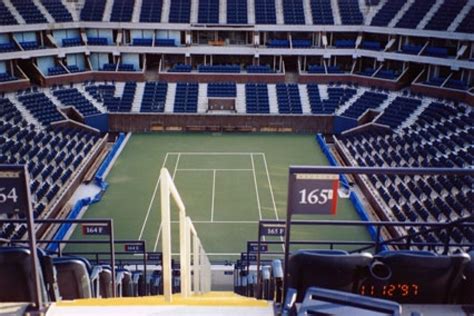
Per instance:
{"type": "Point", "coordinates": [313, 193]}
{"type": "Point", "coordinates": [13, 197]}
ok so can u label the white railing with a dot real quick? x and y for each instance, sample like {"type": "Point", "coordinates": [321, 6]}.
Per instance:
{"type": "Point", "coordinates": [192, 254]}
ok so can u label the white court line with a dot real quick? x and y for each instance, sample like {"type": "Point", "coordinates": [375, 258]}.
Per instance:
{"type": "Point", "coordinates": [188, 169]}
{"type": "Point", "coordinates": [271, 193]}
{"type": "Point", "coordinates": [214, 153]}
{"type": "Point", "coordinates": [152, 200]}
{"type": "Point", "coordinates": [256, 188]}
{"type": "Point", "coordinates": [220, 222]}
{"type": "Point", "coordinates": [176, 166]}
{"type": "Point", "coordinates": [159, 229]}
{"type": "Point", "coordinates": [270, 186]}
{"type": "Point", "coordinates": [157, 238]}
{"type": "Point", "coordinates": [213, 193]}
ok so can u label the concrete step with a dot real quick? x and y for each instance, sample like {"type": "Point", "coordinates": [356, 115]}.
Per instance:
{"type": "Point", "coordinates": [170, 95]}
{"type": "Point", "coordinates": [335, 12]}
{"type": "Point", "coordinates": [454, 25]}
{"type": "Point", "coordinates": [165, 11]}
{"type": "Point", "coordinates": [429, 14]}
{"type": "Point", "coordinates": [194, 11]}
{"type": "Point", "coordinates": [401, 13]}
{"type": "Point", "coordinates": [305, 106]}
{"type": "Point", "coordinates": [279, 12]}
{"type": "Point", "coordinates": [272, 99]}
{"type": "Point", "coordinates": [137, 100]}
{"type": "Point", "coordinates": [43, 11]}
{"type": "Point", "coordinates": [222, 11]}
{"type": "Point", "coordinates": [136, 11]}
{"type": "Point", "coordinates": [308, 17]}
{"type": "Point", "coordinates": [108, 10]}
{"type": "Point", "coordinates": [14, 12]}
{"type": "Point", "coordinates": [251, 11]}
{"type": "Point", "coordinates": [240, 103]}
{"type": "Point", "coordinates": [202, 98]}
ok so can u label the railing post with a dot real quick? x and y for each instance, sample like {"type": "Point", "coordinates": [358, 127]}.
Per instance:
{"type": "Point", "coordinates": [183, 255]}
{"type": "Point", "coordinates": [166, 235]}
{"type": "Point", "coordinates": [196, 265]}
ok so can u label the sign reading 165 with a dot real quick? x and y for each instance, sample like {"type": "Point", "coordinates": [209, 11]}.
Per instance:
{"type": "Point", "coordinates": [8, 195]}
{"type": "Point", "coordinates": [315, 196]}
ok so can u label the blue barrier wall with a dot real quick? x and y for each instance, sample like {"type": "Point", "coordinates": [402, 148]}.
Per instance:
{"type": "Point", "coordinates": [99, 181]}
{"type": "Point", "coordinates": [345, 183]}
{"type": "Point", "coordinates": [342, 123]}
{"type": "Point", "coordinates": [99, 121]}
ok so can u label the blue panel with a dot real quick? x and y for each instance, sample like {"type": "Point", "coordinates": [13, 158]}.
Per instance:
{"type": "Point", "coordinates": [342, 124]}
{"type": "Point", "coordinates": [99, 121]}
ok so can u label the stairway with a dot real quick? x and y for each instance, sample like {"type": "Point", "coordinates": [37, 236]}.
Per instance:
{"type": "Point", "coordinates": [335, 13]}
{"type": "Point", "coordinates": [202, 105]}
{"type": "Point", "coordinates": [305, 106]}
{"type": "Point", "coordinates": [251, 11]}
{"type": "Point", "coordinates": [137, 99]}
{"type": "Point", "coordinates": [429, 14]}
{"type": "Point", "coordinates": [351, 101]}
{"type": "Point", "coordinates": [454, 25]}
{"type": "Point", "coordinates": [24, 112]}
{"type": "Point", "coordinates": [272, 99]}
{"type": "Point", "coordinates": [194, 11]}
{"type": "Point", "coordinates": [119, 89]}
{"type": "Point", "coordinates": [222, 11]}
{"type": "Point", "coordinates": [86, 95]}
{"type": "Point", "coordinates": [108, 10]}
{"type": "Point", "coordinates": [279, 12]}
{"type": "Point", "coordinates": [14, 12]}
{"type": "Point", "coordinates": [240, 102]}
{"type": "Point", "coordinates": [373, 11]}
{"type": "Point", "coordinates": [414, 116]}
{"type": "Point", "coordinates": [165, 11]}
{"type": "Point", "coordinates": [308, 17]}
{"type": "Point", "coordinates": [43, 11]}
{"type": "Point", "coordinates": [400, 13]}
{"type": "Point", "coordinates": [170, 95]}
{"type": "Point", "coordinates": [137, 9]}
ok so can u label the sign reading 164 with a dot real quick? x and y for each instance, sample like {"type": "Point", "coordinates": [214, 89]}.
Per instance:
{"type": "Point", "coordinates": [6, 195]}
{"type": "Point", "coordinates": [313, 193]}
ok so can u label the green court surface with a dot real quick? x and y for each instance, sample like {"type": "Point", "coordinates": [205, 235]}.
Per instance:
{"type": "Point", "coordinates": [228, 182]}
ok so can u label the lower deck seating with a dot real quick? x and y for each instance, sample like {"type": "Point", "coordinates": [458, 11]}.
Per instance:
{"type": "Point", "coordinates": [154, 97]}
{"type": "Point", "coordinates": [369, 100]}
{"type": "Point", "coordinates": [72, 97]}
{"type": "Point", "coordinates": [186, 97]}
{"type": "Point", "coordinates": [337, 96]}
{"type": "Point", "coordinates": [256, 96]}
{"type": "Point", "coordinates": [41, 107]}
{"type": "Point", "coordinates": [222, 89]}
{"type": "Point", "coordinates": [398, 111]}
{"type": "Point", "coordinates": [288, 97]}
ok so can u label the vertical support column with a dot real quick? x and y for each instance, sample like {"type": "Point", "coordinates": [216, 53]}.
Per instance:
{"type": "Point", "coordinates": [183, 254]}
{"type": "Point", "coordinates": [196, 265]}
{"type": "Point", "coordinates": [166, 235]}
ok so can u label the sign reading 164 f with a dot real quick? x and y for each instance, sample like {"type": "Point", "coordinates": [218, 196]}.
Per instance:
{"type": "Point", "coordinates": [313, 193]}
{"type": "Point", "coordinates": [13, 197]}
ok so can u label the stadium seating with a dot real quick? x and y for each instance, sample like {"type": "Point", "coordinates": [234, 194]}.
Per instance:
{"type": "Point", "coordinates": [29, 45]}
{"type": "Point", "coordinates": [186, 97]}
{"type": "Point", "coordinates": [343, 43]}
{"type": "Point", "coordinates": [165, 42]}
{"type": "Point", "coordinates": [40, 107]}
{"type": "Point", "coordinates": [265, 12]}
{"type": "Point", "coordinates": [278, 43]}
{"type": "Point", "coordinates": [56, 70]}
{"type": "Point", "coordinates": [372, 45]}
{"type": "Point", "coordinates": [411, 49]}
{"type": "Point", "coordinates": [122, 11]}
{"type": "Point", "coordinates": [336, 97]}
{"type": "Point", "coordinates": [57, 10]}
{"type": "Point", "coordinates": [142, 42]}
{"type": "Point", "coordinates": [288, 97]}
{"type": "Point", "coordinates": [126, 67]}
{"type": "Point", "coordinates": [293, 12]}
{"type": "Point", "coordinates": [72, 97]}
{"type": "Point", "coordinates": [154, 97]}
{"type": "Point", "coordinates": [222, 89]}
{"type": "Point", "coordinates": [181, 68]}
{"type": "Point", "coordinates": [415, 14]}
{"type": "Point", "coordinates": [256, 96]}
{"type": "Point", "coordinates": [301, 43]}
{"type": "Point", "coordinates": [316, 69]}
{"type": "Point", "coordinates": [180, 11]}
{"type": "Point", "coordinates": [123, 104]}
{"type": "Point", "coordinates": [6, 18]}
{"type": "Point", "coordinates": [208, 11]}
{"type": "Point", "coordinates": [151, 11]}
{"type": "Point", "coordinates": [73, 41]}
{"type": "Point", "coordinates": [219, 68]}
{"type": "Point", "coordinates": [387, 12]}
{"type": "Point", "coordinates": [466, 25]}
{"type": "Point", "coordinates": [93, 10]}
{"type": "Point", "coordinates": [5, 76]}
{"type": "Point", "coordinates": [350, 12]}
{"type": "Point", "coordinates": [91, 40]}
{"type": "Point", "coordinates": [29, 11]}
{"type": "Point", "coordinates": [258, 69]}
{"type": "Point", "coordinates": [236, 12]}
{"type": "Point", "coordinates": [389, 74]}
{"type": "Point", "coordinates": [308, 268]}
{"type": "Point", "coordinates": [368, 100]}
{"type": "Point", "coordinates": [322, 12]}
{"type": "Point", "coordinates": [398, 111]}
{"type": "Point", "coordinates": [445, 15]}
